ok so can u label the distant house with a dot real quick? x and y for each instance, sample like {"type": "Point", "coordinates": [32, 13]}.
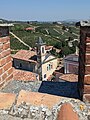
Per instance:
{"type": "Point", "coordinates": [32, 29]}
{"type": "Point", "coordinates": [25, 60]}
{"type": "Point", "coordinates": [71, 64]}
{"type": "Point", "coordinates": [40, 62]}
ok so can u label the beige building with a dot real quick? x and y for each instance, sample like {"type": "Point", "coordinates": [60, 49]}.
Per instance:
{"type": "Point", "coordinates": [39, 62]}
{"type": "Point", "coordinates": [47, 63]}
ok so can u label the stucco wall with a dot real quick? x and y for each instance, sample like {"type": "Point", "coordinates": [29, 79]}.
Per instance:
{"type": "Point", "coordinates": [48, 72]}
{"type": "Point", "coordinates": [25, 65]}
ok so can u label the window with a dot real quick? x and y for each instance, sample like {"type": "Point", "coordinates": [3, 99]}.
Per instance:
{"type": "Point", "coordinates": [44, 75]}
{"type": "Point", "coordinates": [20, 65]}
{"type": "Point", "coordinates": [42, 49]}
{"type": "Point", "coordinates": [49, 66]}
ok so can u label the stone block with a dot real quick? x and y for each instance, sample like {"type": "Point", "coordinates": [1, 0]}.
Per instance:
{"type": "Point", "coordinates": [87, 79]}
{"type": "Point", "coordinates": [6, 100]}
{"type": "Point", "coordinates": [37, 99]}
{"type": "Point", "coordinates": [86, 98]}
{"type": "Point", "coordinates": [87, 89]}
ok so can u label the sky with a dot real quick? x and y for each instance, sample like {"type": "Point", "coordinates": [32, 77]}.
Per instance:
{"type": "Point", "coordinates": [45, 10]}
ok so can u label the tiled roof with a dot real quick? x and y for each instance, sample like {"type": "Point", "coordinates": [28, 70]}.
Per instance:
{"type": "Point", "coordinates": [69, 77]}
{"type": "Point", "coordinates": [29, 28]}
{"type": "Point", "coordinates": [72, 57]}
{"type": "Point", "coordinates": [25, 55]}
{"type": "Point", "coordinates": [24, 75]}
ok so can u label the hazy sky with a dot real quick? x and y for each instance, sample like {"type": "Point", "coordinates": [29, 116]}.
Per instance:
{"type": "Point", "coordinates": [44, 10]}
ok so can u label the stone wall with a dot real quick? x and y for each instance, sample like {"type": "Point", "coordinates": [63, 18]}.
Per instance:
{"type": "Point", "coordinates": [5, 60]}
{"type": "Point", "coordinates": [37, 106]}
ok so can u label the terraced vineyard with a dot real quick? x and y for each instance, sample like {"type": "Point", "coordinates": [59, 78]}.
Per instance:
{"type": "Point", "coordinates": [53, 34]}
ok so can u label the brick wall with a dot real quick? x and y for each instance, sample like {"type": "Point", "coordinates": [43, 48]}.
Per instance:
{"type": "Point", "coordinates": [5, 61]}
{"type": "Point", "coordinates": [84, 63]}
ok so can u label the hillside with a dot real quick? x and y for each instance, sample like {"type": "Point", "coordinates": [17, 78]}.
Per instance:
{"type": "Point", "coordinates": [58, 35]}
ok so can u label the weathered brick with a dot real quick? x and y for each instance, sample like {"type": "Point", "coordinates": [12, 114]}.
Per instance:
{"type": "Point", "coordinates": [9, 77]}
{"type": "Point", "coordinates": [2, 83]}
{"type": "Point", "coordinates": [86, 98]}
{"type": "Point", "coordinates": [6, 46]}
{"type": "Point", "coordinates": [87, 69]}
{"type": "Point", "coordinates": [5, 60]}
{"type": "Point", "coordinates": [87, 89]}
{"type": "Point", "coordinates": [1, 71]}
{"type": "Point", "coordinates": [7, 66]}
{"type": "Point", "coordinates": [6, 52]}
{"type": "Point", "coordinates": [8, 58]}
{"type": "Point", "coordinates": [87, 79]}
{"type": "Point", "coordinates": [2, 61]}
{"type": "Point", "coordinates": [88, 40]}
{"type": "Point", "coordinates": [1, 47]}
{"type": "Point", "coordinates": [10, 71]}
{"type": "Point", "coordinates": [4, 39]}
{"type": "Point", "coordinates": [87, 59]}
{"type": "Point", "coordinates": [87, 48]}
{"type": "Point", "coordinates": [3, 76]}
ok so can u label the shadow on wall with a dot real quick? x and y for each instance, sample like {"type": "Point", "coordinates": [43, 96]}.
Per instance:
{"type": "Point", "coordinates": [65, 89]}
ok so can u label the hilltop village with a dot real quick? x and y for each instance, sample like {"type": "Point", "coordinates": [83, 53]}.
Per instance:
{"type": "Point", "coordinates": [44, 71]}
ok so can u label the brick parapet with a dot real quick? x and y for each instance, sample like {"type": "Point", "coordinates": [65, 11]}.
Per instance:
{"type": "Point", "coordinates": [5, 61]}
{"type": "Point", "coordinates": [84, 63]}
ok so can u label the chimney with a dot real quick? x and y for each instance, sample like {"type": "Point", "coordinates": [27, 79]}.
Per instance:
{"type": "Point", "coordinates": [84, 61]}
{"type": "Point", "coordinates": [5, 55]}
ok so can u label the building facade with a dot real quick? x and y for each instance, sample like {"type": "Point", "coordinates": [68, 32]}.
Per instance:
{"type": "Point", "coordinates": [47, 63]}
{"type": "Point", "coordinates": [71, 64]}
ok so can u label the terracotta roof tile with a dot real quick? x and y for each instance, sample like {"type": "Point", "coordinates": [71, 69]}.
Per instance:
{"type": "Point", "coordinates": [69, 77]}
{"type": "Point", "coordinates": [25, 55]}
{"type": "Point", "coordinates": [24, 75]}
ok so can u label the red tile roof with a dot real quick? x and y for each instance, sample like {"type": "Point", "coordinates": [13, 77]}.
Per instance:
{"type": "Point", "coordinates": [25, 55]}
{"type": "Point", "coordinates": [24, 75]}
{"type": "Point", "coordinates": [69, 77]}
{"type": "Point", "coordinates": [29, 28]}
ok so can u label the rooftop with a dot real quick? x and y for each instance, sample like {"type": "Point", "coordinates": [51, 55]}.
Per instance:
{"type": "Point", "coordinates": [25, 55]}
{"type": "Point", "coordinates": [69, 77]}
{"type": "Point", "coordinates": [23, 75]}
{"type": "Point", "coordinates": [72, 57]}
